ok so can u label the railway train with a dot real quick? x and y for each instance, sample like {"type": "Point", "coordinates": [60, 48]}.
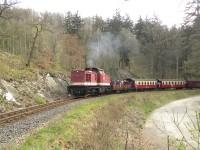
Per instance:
{"type": "Point", "coordinates": [94, 81]}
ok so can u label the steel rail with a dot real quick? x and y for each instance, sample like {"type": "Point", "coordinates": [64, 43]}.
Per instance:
{"type": "Point", "coordinates": [17, 115]}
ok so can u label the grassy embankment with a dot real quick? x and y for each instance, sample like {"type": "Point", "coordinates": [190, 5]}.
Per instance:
{"type": "Point", "coordinates": [111, 122]}
{"type": "Point", "coordinates": [14, 67]}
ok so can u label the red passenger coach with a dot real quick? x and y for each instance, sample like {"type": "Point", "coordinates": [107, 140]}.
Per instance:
{"type": "Point", "coordinates": [89, 81]}
{"type": "Point", "coordinates": [171, 84]}
{"type": "Point", "coordinates": [193, 84]}
{"type": "Point", "coordinates": [145, 84]}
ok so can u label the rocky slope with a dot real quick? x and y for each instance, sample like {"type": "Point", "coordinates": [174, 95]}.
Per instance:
{"type": "Point", "coordinates": [22, 93]}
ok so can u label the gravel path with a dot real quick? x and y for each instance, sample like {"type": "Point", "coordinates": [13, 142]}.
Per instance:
{"type": "Point", "coordinates": [161, 123]}
{"type": "Point", "coordinates": [14, 132]}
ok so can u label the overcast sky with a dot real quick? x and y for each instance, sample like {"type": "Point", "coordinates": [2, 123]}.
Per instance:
{"type": "Point", "coordinates": [170, 12]}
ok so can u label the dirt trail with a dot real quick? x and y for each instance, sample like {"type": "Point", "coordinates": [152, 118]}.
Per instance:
{"type": "Point", "coordinates": [160, 124]}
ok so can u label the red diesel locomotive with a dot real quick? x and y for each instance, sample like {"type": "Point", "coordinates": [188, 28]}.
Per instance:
{"type": "Point", "coordinates": [89, 81]}
{"type": "Point", "coordinates": [95, 81]}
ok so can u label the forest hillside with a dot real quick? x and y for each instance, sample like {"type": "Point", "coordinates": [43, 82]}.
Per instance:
{"type": "Point", "coordinates": [45, 47]}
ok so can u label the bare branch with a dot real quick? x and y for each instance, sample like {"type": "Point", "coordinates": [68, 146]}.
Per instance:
{"type": "Point", "coordinates": [177, 124]}
{"type": "Point", "coordinates": [6, 6]}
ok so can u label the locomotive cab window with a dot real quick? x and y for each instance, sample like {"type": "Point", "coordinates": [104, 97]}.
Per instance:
{"type": "Point", "coordinates": [88, 77]}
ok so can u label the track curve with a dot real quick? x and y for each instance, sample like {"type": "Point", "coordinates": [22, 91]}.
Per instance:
{"type": "Point", "coordinates": [14, 116]}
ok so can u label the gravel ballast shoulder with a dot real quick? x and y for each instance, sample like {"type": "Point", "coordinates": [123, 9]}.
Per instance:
{"type": "Point", "coordinates": [13, 132]}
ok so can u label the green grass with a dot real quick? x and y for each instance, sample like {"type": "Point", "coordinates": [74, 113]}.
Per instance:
{"type": "Point", "coordinates": [56, 135]}
{"type": "Point", "coordinates": [148, 101]}
{"type": "Point", "coordinates": [40, 100]}
{"type": "Point", "coordinates": [13, 67]}
{"type": "Point", "coordinates": [65, 129]}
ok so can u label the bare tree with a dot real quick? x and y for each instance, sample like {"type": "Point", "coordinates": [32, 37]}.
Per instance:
{"type": "Point", "coordinates": [6, 5]}
{"type": "Point", "coordinates": [38, 27]}
{"type": "Point", "coordinates": [192, 11]}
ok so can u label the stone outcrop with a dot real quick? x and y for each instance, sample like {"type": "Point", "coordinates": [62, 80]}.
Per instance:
{"type": "Point", "coordinates": [19, 94]}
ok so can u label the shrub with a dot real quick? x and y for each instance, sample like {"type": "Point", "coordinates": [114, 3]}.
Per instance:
{"type": "Point", "coordinates": [40, 100]}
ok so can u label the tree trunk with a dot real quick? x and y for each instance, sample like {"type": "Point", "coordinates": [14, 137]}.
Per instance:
{"type": "Point", "coordinates": [33, 46]}
{"type": "Point", "coordinates": [177, 67]}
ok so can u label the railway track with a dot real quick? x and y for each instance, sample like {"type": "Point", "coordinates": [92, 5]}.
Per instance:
{"type": "Point", "coordinates": [14, 116]}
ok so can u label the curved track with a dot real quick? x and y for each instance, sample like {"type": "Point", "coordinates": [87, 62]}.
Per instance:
{"type": "Point", "coordinates": [23, 113]}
